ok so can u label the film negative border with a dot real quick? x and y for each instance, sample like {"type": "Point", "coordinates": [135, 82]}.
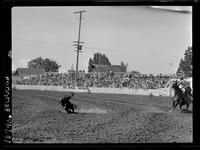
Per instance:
{"type": "Point", "coordinates": [7, 135]}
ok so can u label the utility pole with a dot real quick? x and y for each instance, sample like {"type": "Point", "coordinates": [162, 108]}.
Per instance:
{"type": "Point", "coordinates": [78, 46]}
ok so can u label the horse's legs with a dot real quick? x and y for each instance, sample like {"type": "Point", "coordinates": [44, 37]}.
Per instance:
{"type": "Point", "coordinates": [188, 103]}
{"type": "Point", "coordinates": [187, 106]}
{"type": "Point", "coordinates": [175, 105]}
{"type": "Point", "coordinates": [183, 102]}
{"type": "Point", "coordinates": [180, 106]}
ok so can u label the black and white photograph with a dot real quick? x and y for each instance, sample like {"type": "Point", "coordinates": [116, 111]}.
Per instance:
{"type": "Point", "coordinates": [102, 74]}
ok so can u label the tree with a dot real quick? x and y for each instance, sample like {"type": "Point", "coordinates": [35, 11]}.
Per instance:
{"type": "Point", "coordinates": [124, 66]}
{"type": "Point", "coordinates": [46, 64]}
{"type": "Point", "coordinates": [185, 65]}
{"type": "Point", "coordinates": [134, 72]}
{"type": "Point", "coordinates": [36, 63]}
{"type": "Point", "coordinates": [90, 65]}
{"type": "Point", "coordinates": [99, 59]}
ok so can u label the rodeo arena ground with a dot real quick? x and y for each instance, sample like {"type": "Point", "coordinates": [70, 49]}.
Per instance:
{"type": "Point", "coordinates": [118, 109]}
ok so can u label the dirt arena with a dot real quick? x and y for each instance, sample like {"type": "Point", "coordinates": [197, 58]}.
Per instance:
{"type": "Point", "coordinates": [100, 118]}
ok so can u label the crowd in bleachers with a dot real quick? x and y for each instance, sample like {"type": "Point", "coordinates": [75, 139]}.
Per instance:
{"type": "Point", "coordinates": [108, 79]}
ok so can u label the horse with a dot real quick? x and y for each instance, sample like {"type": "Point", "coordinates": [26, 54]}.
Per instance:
{"type": "Point", "coordinates": [187, 97]}
{"type": "Point", "coordinates": [181, 98]}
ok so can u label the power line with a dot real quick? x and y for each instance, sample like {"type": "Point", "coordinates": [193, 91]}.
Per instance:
{"type": "Point", "coordinates": [130, 51]}
{"type": "Point", "coordinates": [98, 48]}
{"type": "Point", "coordinates": [44, 42]}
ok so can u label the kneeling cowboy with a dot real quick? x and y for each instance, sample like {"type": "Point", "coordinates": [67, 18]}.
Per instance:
{"type": "Point", "coordinates": [66, 103]}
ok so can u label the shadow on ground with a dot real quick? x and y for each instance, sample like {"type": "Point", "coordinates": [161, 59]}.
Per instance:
{"type": "Point", "coordinates": [69, 112]}
{"type": "Point", "coordinates": [186, 111]}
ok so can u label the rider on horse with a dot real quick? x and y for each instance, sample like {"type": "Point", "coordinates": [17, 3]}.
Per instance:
{"type": "Point", "coordinates": [182, 94]}
{"type": "Point", "coordinates": [185, 87]}
{"type": "Point", "coordinates": [66, 103]}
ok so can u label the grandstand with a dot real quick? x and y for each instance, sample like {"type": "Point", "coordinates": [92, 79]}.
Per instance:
{"type": "Point", "coordinates": [99, 80]}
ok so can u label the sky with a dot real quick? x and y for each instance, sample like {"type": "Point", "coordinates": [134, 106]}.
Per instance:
{"type": "Point", "coordinates": [150, 39]}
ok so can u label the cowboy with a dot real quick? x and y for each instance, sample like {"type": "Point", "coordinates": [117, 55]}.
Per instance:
{"type": "Point", "coordinates": [178, 97]}
{"type": "Point", "coordinates": [181, 84]}
{"type": "Point", "coordinates": [66, 103]}
{"type": "Point", "coordinates": [187, 97]}
{"type": "Point", "coordinates": [188, 89]}
{"type": "Point", "coordinates": [185, 87]}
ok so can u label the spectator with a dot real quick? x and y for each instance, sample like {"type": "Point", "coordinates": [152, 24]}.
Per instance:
{"type": "Point", "coordinates": [108, 79]}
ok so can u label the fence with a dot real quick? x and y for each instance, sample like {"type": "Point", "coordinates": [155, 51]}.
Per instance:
{"type": "Point", "coordinates": [155, 92]}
